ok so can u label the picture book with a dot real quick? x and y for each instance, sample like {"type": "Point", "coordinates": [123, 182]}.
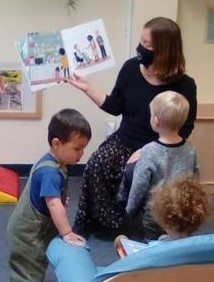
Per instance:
{"type": "Point", "coordinates": [131, 246]}
{"type": "Point", "coordinates": [49, 57]}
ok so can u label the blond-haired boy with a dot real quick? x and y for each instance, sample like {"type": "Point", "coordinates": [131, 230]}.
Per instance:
{"type": "Point", "coordinates": [165, 159]}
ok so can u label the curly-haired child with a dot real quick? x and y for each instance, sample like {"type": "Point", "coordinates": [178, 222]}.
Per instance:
{"type": "Point", "coordinates": [179, 207]}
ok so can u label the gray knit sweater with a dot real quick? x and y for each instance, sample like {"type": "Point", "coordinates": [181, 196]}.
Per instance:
{"type": "Point", "coordinates": [157, 164]}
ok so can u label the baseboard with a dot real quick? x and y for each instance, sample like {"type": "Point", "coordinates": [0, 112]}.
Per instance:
{"type": "Point", "coordinates": [24, 169]}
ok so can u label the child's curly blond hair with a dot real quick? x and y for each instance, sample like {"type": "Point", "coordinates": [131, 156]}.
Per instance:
{"type": "Point", "coordinates": [180, 206]}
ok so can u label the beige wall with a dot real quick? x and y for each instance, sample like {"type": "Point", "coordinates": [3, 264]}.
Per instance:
{"type": "Point", "coordinates": [144, 10]}
{"type": "Point", "coordinates": [192, 17]}
{"type": "Point", "coordinates": [203, 138]}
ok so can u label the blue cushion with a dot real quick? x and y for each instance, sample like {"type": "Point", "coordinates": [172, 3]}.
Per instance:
{"type": "Point", "coordinates": [74, 264]}
{"type": "Point", "coordinates": [191, 250]}
{"type": "Point", "coordinates": [71, 263]}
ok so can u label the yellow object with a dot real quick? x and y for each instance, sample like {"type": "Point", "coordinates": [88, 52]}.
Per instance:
{"type": "Point", "coordinates": [6, 198]}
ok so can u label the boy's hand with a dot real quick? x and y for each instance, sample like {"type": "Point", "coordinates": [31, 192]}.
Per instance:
{"type": "Point", "coordinates": [74, 239]}
{"type": "Point", "coordinates": [67, 201]}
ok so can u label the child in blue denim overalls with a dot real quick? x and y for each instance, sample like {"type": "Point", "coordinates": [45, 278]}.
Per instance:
{"type": "Point", "coordinates": [40, 213]}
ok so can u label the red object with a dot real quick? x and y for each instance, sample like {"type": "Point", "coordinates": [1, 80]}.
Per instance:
{"type": "Point", "coordinates": [9, 182]}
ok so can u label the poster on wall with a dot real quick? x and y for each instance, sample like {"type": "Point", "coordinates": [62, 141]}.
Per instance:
{"type": "Point", "coordinates": [11, 98]}
{"type": "Point", "coordinates": [47, 58]}
{"type": "Point", "coordinates": [15, 98]}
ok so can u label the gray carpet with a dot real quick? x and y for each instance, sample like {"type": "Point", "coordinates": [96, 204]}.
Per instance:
{"type": "Point", "coordinates": [101, 242]}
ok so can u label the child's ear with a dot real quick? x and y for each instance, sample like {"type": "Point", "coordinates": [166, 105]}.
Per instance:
{"type": "Point", "coordinates": [157, 121]}
{"type": "Point", "coordinates": [55, 143]}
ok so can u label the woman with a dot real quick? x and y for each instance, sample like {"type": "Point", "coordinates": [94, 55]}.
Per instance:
{"type": "Point", "coordinates": [159, 66]}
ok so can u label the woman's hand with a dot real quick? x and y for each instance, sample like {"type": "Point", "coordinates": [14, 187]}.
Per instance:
{"type": "Point", "coordinates": [79, 82]}
{"type": "Point", "coordinates": [74, 239]}
{"type": "Point", "coordinates": [83, 84]}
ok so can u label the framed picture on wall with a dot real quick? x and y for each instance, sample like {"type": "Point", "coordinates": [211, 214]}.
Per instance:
{"type": "Point", "coordinates": [16, 99]}
{"type": "Point", "coordinates": [210, 26]}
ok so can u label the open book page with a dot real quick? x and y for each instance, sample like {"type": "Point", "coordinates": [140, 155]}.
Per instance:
{"type": "Point", "coordinates": [22, 48]}
{"type": "Point", "coordinates": [131, 246]}
{"type": "Point", "coordinates": [49, 57]}
{"type": "Point", "coordinates": [43, 57]}
{"type": "Point", "coordinates": [88, 48]}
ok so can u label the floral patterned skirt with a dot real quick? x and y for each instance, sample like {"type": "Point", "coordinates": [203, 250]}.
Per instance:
{"type": "Point", "coordinates": [101, 179]}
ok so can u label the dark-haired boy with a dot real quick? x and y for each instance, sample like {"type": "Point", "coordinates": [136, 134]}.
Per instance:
{"type": "Point", "coordinates": [40, 213]}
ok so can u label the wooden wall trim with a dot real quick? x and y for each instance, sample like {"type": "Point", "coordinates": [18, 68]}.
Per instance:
{"type": "Point", "coordinates": [23, 170]}
{"type": "Point", "coordinates": [205, 112]}
{"type": "Point", "coordinates": [202, 139]}
{"type": "Point", "coordinates": [209, 186]}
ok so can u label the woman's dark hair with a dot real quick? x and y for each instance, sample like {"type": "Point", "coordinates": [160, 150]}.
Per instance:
{"type": "Point", "coordinates": [66, 123]}
{"type": "Point", "coordinates": [169, 61]}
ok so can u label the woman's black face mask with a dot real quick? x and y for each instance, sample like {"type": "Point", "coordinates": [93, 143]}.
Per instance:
{"type": "Point", "coordinates": [144, 55]}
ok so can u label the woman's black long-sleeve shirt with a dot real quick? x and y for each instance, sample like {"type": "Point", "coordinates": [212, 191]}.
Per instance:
{"type": "Point", "coordinates": [131, 97]}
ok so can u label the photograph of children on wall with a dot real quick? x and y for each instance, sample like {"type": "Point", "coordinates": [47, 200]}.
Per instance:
{"type": "Point", "coordinates": [10, 90]}
{"type": "Point", "coordinates": [16, 98]}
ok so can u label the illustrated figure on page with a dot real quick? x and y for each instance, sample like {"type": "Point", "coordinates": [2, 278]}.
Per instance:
{"type": "Point", "coordinates": [64, 62]}
{"type": "Point", "coordinates": [100, 42]}
{"type": "Point", "coordinates": [93, 46]}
